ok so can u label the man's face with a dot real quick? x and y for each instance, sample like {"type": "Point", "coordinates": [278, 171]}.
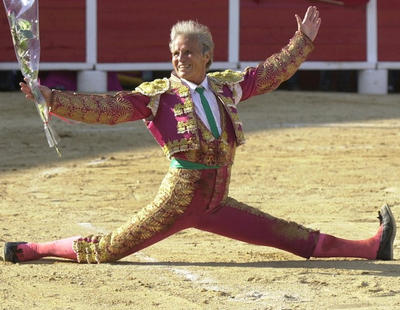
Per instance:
{"type": "Point", "coordinates": [188, 60]}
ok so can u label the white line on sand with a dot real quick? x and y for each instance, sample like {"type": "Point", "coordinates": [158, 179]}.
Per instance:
{"type": "Point", "coordinates": [188, 275]}
{"type": "Point", "coordinates": [97, 161]}
{"type": "Point", "coordinates": [53, 171]}
{"type": "Point", "coordinates": [198, 279]}
{"type": "Point", "coordinates": [344, 125]}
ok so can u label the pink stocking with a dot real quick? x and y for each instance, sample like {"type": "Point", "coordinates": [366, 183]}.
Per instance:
{"type": "Point", "coordinates": [33, 251]}
{"type": "Point", "coordinates": [330, 246]}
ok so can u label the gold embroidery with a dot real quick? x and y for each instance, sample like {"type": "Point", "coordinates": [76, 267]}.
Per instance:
{"type": "Point", "coordinates": [174, 196]}
{"type": "Point", "coordinates": [180, 145]}
{"type": "Point", "coordinates": [281, 66]}
{"type": "Point", "coordinates": [183, 91]}
{"type": "Point", "coordinates": [227, 101]}
{"type": "Point", "coordinates": [240, 136]}
{"type": "Point", "coordinates": [290, 230]}
{"type": "Point", "coordinates": [235, 93]}
{"type": "Point", "coordinates": [224, 146]}
{"type": "Point", "coordinates": [153, 104]}
{"type": "Point", "coordinates": [237, 124]}
{"type": "Point", "coordinates": [179, 109]}
{"type": "Point", "coordinates": [177, 85]}
{"type": "Point", "coordinates": [244, 207]}
{"type": "Point", "coordinates": [103, 109]}
{"type": "Point", "coordinates": [227, 77]}
{"type": "Point", "coordinates": [234, 116]}
{"type": "Point", "coordinates": [188, 125]}
{"type": "Point", "coordinates": [185, 108]}
{"type": "Point", "coordinates": [212, 151]}
{"type": "Point", "coordinates": [153, 88]}
{"type": "Point", "coordinates": [217, 88]}
{"type": "Point", "coordinates": [207, 135]}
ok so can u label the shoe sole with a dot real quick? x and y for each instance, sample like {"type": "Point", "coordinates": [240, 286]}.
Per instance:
{"type": "Point", "coordinates": [9, 251]}
{"type": "Point", "coordinates": [386, 210]}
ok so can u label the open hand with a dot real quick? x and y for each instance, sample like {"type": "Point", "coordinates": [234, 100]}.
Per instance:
{"type": "Point", "coordinates": [310, 23]}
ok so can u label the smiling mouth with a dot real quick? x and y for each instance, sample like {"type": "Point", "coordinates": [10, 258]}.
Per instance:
{"type": "Point", "coordinates": [184, 67]}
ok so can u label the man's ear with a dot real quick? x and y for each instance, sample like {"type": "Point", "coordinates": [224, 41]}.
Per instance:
{"type": "Point", "coordinates": [207, 56]}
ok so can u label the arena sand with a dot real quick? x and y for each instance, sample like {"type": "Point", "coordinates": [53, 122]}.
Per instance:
{"type": "Point", "coordinates": [326, 160]}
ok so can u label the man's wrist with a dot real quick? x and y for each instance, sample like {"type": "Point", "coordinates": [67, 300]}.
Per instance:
{"type": "Point", "coordinates": [51, 98]}
{"type": "Point", "coordinates": [305, 35]}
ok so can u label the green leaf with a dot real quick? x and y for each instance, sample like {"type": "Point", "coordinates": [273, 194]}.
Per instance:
{"type": "Point", "coordinates": [25, 69]}
{"type": "Point", "coordinates": [22, 50]}
{"type": "Point", "coordinates": [24, 24]}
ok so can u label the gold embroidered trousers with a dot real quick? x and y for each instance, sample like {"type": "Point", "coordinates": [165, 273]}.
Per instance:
{"type": "Point", "coordinates": [198, 199]}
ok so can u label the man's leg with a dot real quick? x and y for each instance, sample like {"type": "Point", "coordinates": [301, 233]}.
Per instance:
{"type": "Point", "coordinates": [168, 213]}
{"type": "Point", "coordinates": [239, 221]}
{"type": "Point", "coordinates": [24, 251]}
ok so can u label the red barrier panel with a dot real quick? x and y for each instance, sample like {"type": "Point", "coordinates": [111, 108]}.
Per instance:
{"type": "Point", "coordinates": [267, 25]}
{"type": "Point", "coordinates": [138, 31]}
{"type": "Point", "coordinates": [62, 32]}
{"type": "Point", "coordinates": [389, 30]}
{"type": "Point", "coordinates": [6, 48]}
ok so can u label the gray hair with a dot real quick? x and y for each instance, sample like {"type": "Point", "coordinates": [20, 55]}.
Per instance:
{"type": "Point", "coordinates": [190, 28]}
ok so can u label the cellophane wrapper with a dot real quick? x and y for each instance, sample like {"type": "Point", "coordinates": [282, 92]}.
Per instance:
{"type": "Point", "coordinates": [23, 17]}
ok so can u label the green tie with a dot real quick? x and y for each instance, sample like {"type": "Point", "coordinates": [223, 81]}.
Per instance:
{"type": "Point", "coordinates": [207, 109]}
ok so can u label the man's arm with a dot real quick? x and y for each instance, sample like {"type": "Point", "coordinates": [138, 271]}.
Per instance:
{"type": "Point", "coordinates": [281, 66]}
{"type": "Point", "coordinates": [124, 106]}
{"type": "Point", "coordinates": [107, 109]}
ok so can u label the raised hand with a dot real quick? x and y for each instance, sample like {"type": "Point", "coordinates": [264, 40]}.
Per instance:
{"type": "Point", "coordinates": [310, 23]}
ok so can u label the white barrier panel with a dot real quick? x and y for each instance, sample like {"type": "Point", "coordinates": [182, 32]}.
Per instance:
{"type": "Point", "coordinates": [373, 81]}
{"type": "Point", "coordinates": [92, 81]}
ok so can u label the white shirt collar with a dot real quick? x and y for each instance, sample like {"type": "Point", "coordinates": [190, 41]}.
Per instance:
{"type": "Point", "coordinates": [192, 86]}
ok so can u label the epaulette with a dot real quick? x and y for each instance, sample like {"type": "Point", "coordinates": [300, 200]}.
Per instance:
{"type": "Point", "coordinates": [153, 88]}
{"type": "Point", "coordinates": [227, 76]}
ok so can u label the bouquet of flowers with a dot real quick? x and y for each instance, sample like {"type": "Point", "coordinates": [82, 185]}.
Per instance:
{"type": "Point", "coordinates": [24, 25]}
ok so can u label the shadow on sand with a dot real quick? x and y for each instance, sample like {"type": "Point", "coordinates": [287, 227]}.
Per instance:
{"type": "Point", "coordinates": [23, 145]}
{"type": "Point", "coordinates": [367, 267]}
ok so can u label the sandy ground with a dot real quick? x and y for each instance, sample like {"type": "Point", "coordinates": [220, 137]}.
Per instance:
{"type": "Point", "coordinates": [328, 161]}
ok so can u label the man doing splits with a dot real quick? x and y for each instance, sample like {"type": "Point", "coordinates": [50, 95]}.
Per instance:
{"type": "Point", "coordinates": [193, 116]}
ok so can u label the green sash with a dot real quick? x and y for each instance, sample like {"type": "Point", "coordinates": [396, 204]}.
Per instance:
{"type": "Point", "coordinates": [184, 164]}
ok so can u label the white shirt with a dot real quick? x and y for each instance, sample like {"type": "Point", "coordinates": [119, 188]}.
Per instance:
{"type": "Point", "coordinates": [212, 101]}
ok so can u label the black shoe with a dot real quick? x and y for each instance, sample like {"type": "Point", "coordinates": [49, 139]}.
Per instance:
{"type": "Point", "coordinates": [386, 219]}
{"type": "Point", "coordinates": [10, 251]}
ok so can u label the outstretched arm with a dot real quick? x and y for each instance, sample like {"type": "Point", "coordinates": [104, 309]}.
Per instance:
{"type": "Point", "coordinates": [279, 67]}
{"type": "Point", "coordinates": [124, 106]}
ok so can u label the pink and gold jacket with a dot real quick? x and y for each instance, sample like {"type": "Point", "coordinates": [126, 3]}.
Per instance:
{"type": "Point", "coordinates": [167, 108]}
